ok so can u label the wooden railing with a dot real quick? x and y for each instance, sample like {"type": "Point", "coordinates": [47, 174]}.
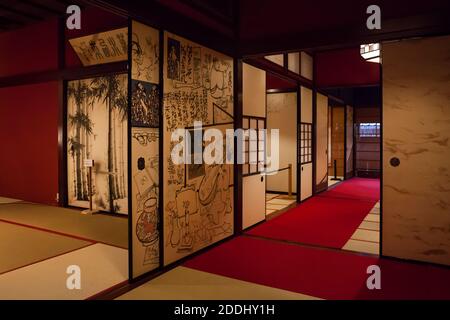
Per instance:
{"type": "Point", "coordinates": [289, 168]}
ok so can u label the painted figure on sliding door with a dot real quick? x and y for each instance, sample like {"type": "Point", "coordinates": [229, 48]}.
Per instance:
{"type": "Point", "coordinates": [146, 192]}
{"type": "Point", "coordinates": [198, 197]}
{"type": "Point", "coordinates": [145, 113]}
{"type": "Point", "coordinates": [97, 129]}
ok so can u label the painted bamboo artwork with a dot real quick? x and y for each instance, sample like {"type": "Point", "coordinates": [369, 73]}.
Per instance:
{"type": "Point", "coordinates": [97, 129]}
{"type": "Point", "coordinates": [198, 198]}
{"type": "Point", "coordinates": [145, 112]}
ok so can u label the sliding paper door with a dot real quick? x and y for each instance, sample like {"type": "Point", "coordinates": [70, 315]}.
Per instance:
{"type": "Point", "coordinates": [321, 142]}
{"type": "Point", "coordinates": [145, 111]}
{"type": "Point", "coordinates": [349, 154]}
{"type": "Point", "coordinates": [416, 152]}
{"type": "Point", "coordinates": [337, 128]}
{"type": "Point", "coordinates": [198, 197]}
{"type": "Point", "coordinates": [305, 139]}
{"type": "Point", "coordinates": [254, 110]}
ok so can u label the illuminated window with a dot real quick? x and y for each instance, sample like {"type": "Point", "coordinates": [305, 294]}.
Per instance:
{"type": "Point", "coordinates": [371, 52]}
{"type": "Point", "coordinates": [369, 130]}
{"type": "Point", "coordinates": [276, 58]}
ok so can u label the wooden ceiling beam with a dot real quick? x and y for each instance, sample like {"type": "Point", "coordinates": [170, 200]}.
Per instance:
{"type": "Point", "coordinates": [46, 6]}
{"type": "Point", "coordinates": [12, 12]}
{"type": "Point", "coordinates": [414, 26]}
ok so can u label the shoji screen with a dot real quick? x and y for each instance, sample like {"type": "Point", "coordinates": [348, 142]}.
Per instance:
{"type": "Point", "coordinates": [337, 141]}
{"type": "Point", "coordinates": [321, 142]}
{"type": "Point", "coordinates": [276, 58]}
{"type": "Point", "coordinates": [306, 139]}
{"type": "Point", "coordinates": [198, 198]}
{"type": "Point", "coordinates": [145, 111]}
{"type": "Point", "coordinates": [254, 108]}
{"type": "Point", "coordinates": [306, 66]}
{"type": "Point", "coordinates": [349, 142]}
{"type": "Point", "coordinates": [294, 62]}
{"type": "Point", "coordinates": [416, 153]}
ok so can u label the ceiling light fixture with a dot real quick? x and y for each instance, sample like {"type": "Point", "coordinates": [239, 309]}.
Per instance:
{"type": "Point", "coordinates": [371, 52]}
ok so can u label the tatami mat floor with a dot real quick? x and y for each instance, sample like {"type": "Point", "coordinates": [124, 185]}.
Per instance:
{"type": "Point", "coordinates": [38, 243]}
{"type": "Point", "coordinates": [4, 200]}
{"type": "Point", "coordinates": [101, 266]}
{"type": "Point", "coordinates": [332, 182]}
{"type": "Point", "coordinates": [276, 202]}
{"type": "Point", "coordinates": [99, 228]}
{"type": "Point", "coordinates": [46, 255]}
{"type": "Point", "coordinates": [366, 238]}
{"type": "Point", "coordinates": [184, 283]}
{"type": "Point", "coordinates": [21, 246]}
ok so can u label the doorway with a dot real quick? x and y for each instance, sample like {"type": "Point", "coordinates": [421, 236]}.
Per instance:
{"type": "Point", "coordinates": [282, 113]}
{"type": "Point", "coordinates": [336, 144]}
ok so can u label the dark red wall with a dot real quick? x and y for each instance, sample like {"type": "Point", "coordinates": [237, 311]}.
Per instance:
{"type": "Point", "coordinates": [29, 113]}
{"type": "Point", "coordinates": [276, 83]}
{"type": "Point", "coordinates": [345, 68]}
{"type": "Point", "coordinates": [29, 49]}
{"type": "Point", "coordinates": [29, 138]}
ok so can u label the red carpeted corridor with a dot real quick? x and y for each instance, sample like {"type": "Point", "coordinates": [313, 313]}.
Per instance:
{"type": "Point", "coordinates": [327, 220]}
{"type": "Point", "coordinates": [355, 189]}
{"type": "Point", "coordinates": [322, 273]}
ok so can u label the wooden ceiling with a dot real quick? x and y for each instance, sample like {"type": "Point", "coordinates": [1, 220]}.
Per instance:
{"type": "Point", "coordinates": [255, 27]}
{"type": "Point", "coordinates": [17, 13]}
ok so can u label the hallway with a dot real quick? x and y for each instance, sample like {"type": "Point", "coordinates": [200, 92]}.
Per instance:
{"type": "Point", "coordinates": [297, 264]}
{"type": "Point", "coordinates": [226, 150]}
{"type": "Point", "coordinates": [328, 219]}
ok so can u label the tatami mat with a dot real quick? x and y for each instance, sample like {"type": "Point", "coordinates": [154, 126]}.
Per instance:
{"type": "Point", "coordinates": [366, 238]}
{"type": "Point", "coordinates": [101, 228]}
{"type": "Point", "coordinates": [4, 200]}
{"type": "Point", "coordinates": [271, 195]}
{"type": "Point", "coordinates": [333, 182]}
{"type": "Point", "coordinates": [21, 246]}
{"type": "Point", "coordinates": [375, 210]}
{"type": "Point", "coordinates": [368, 225]}
{"type": "Point", "coordinates": [362, 246]}
{"type": "Point", "coordinates": [278, 202]}
{"type": "Point", "coordinates": [372, 217]}
{"type": "Point", "coordinates": [272, 206]}
{"type": "Point", "coordinates": [184, 283]}
{"type": "Point", "coordinates": [102, 267]}
{"type": "Point", "coordinates": [366, 235]}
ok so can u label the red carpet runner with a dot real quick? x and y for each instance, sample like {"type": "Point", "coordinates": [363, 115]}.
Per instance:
{"type": "Point", "coordinates": [321, 273]}
{"type": "Point", "coordinates": [328, 220]}
{"type": "Point", "coordinates": [355, 188]}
